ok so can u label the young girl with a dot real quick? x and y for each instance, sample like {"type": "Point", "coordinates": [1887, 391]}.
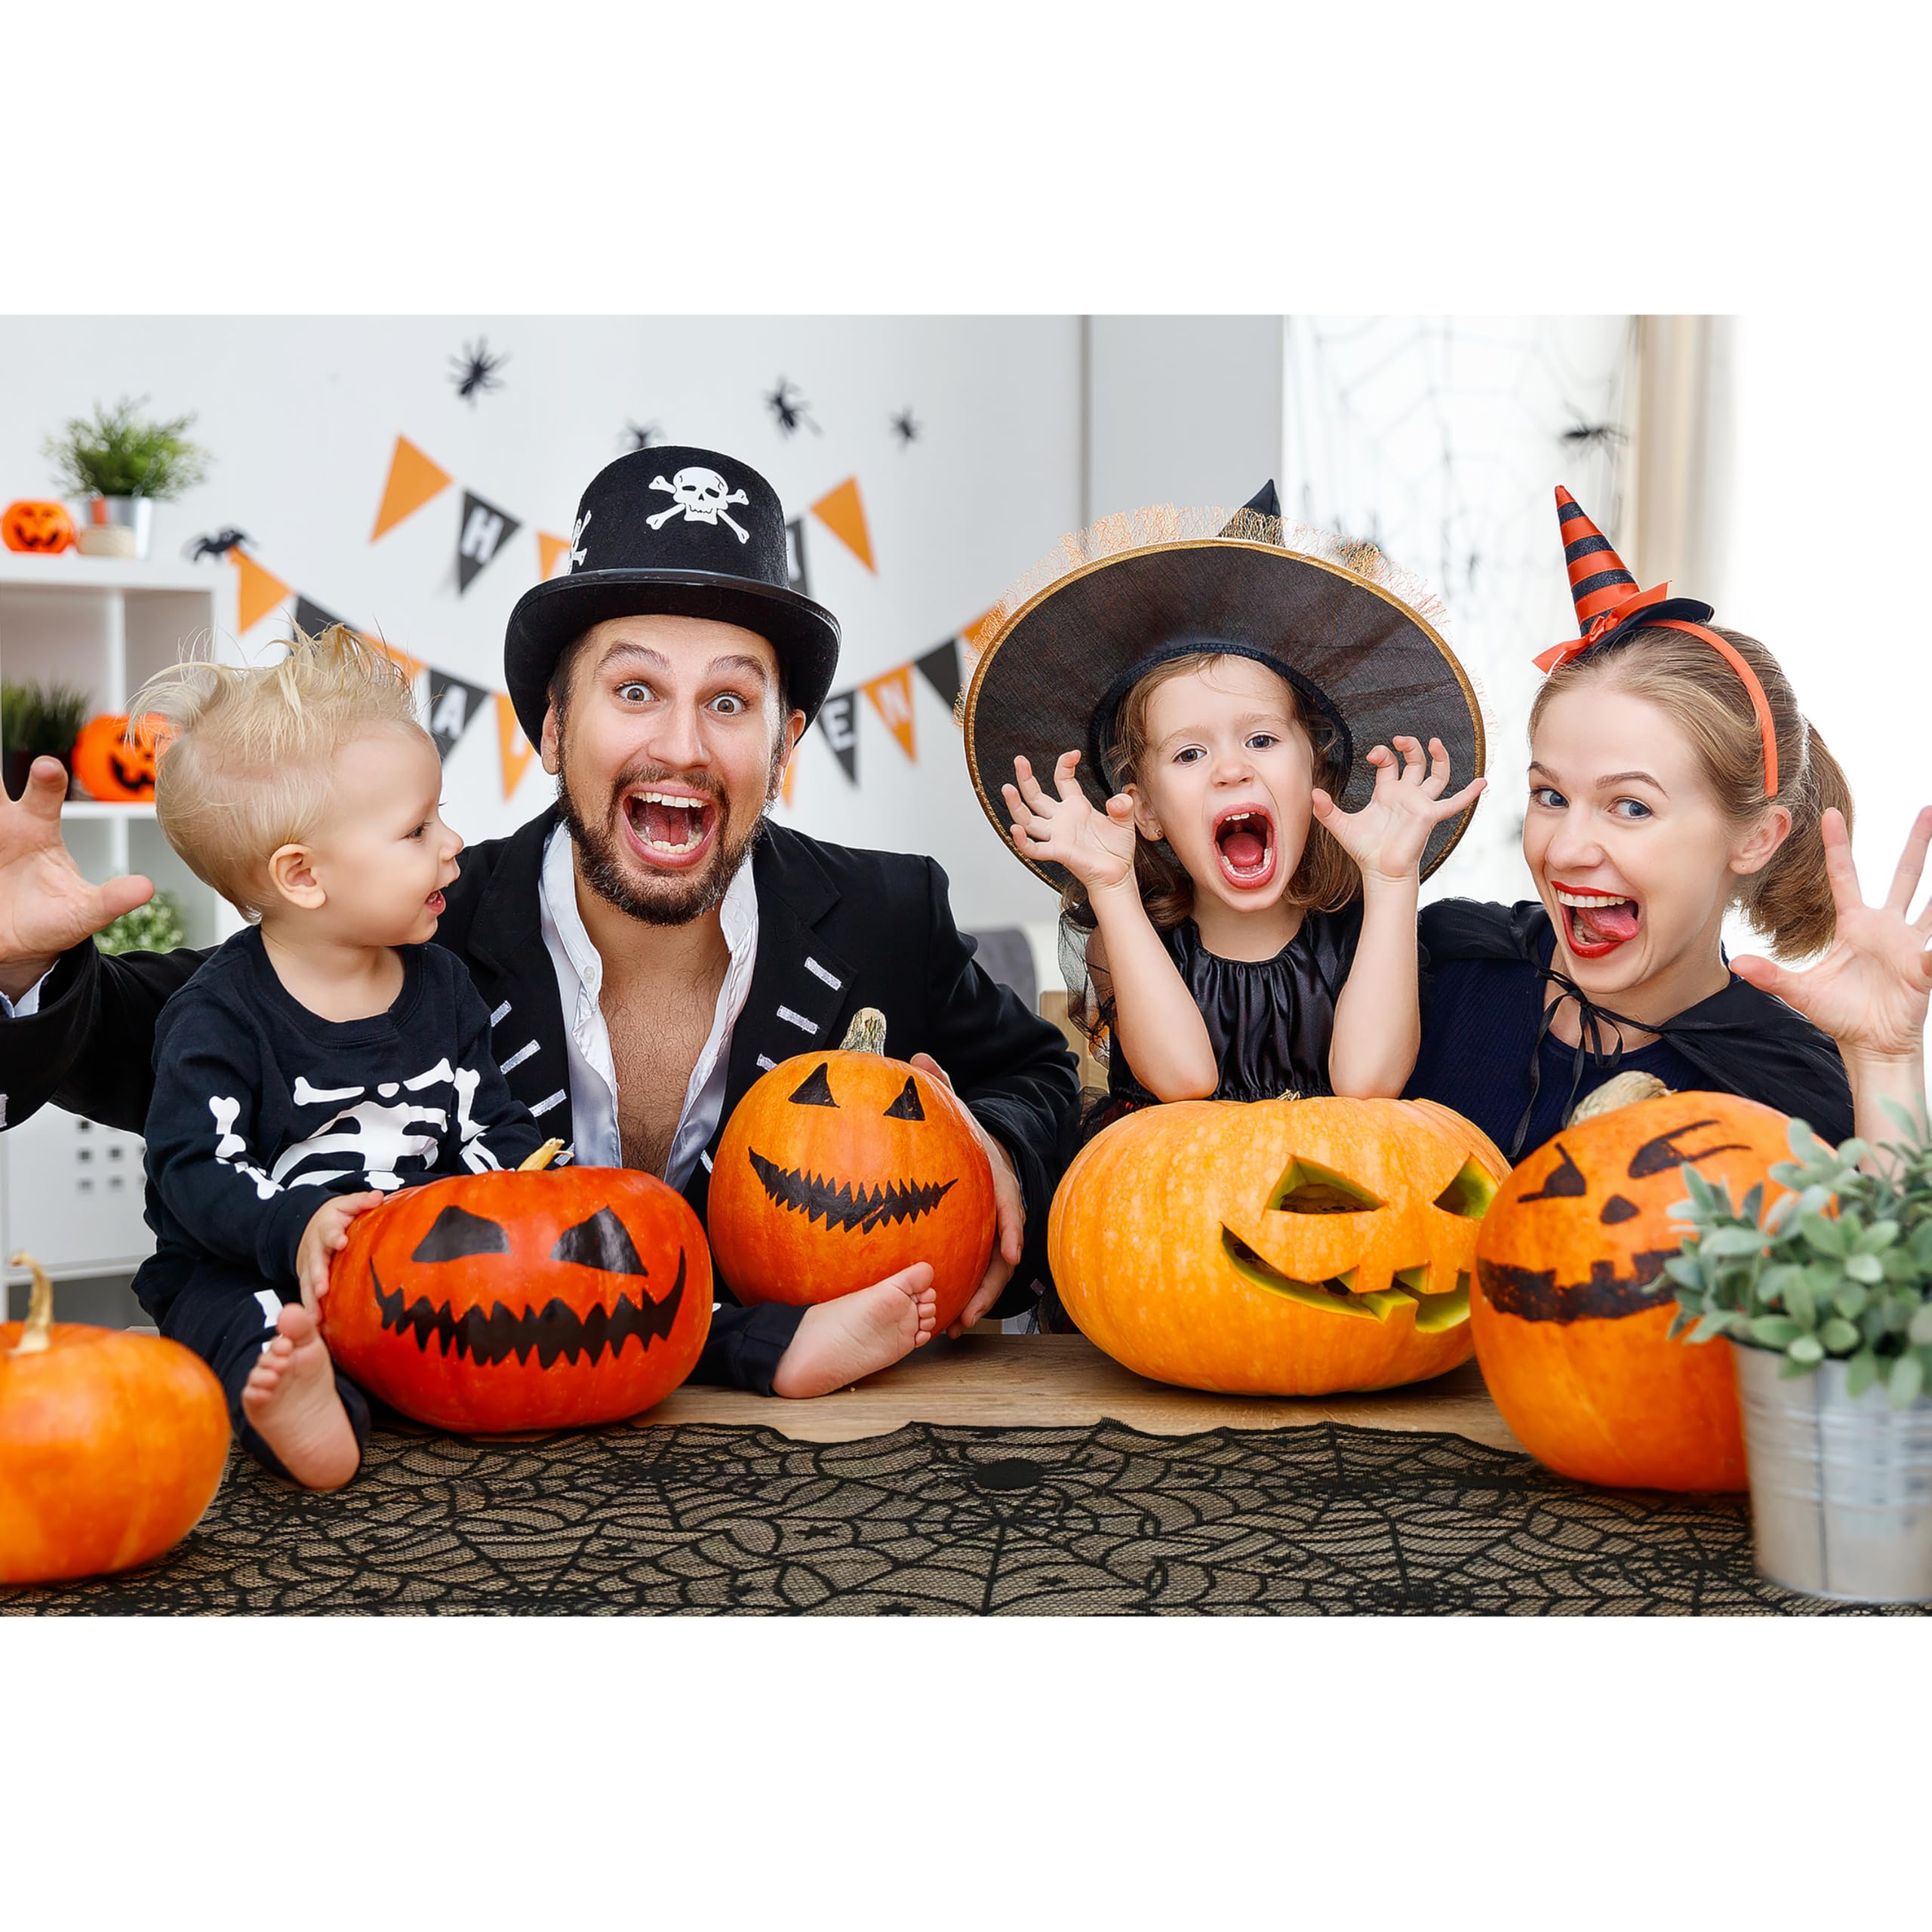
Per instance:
{"type": "Point", "coordinates": [1671, 778]}
{"type": "Point", "coordinates": [1245, 936]}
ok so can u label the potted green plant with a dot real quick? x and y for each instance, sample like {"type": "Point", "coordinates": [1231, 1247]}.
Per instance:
{"type": "Point", "coordinates": [38, 719]}
{"type": "Point", "coordinates": [122, 464]}
{"type": "Point", "coordinates": [156, 927]}
{"type": "Point", "coordinates": [1828, 1294]}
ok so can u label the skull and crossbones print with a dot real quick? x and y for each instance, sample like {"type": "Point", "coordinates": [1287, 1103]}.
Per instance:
{"type": "Point", "coordinates": [701, 497]}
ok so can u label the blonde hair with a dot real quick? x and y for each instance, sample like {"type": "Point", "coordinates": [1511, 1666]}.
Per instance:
{"type": "Point", "coordinates": [1789, 899]}
{"type": "Point", "coordinates": [248, 752]}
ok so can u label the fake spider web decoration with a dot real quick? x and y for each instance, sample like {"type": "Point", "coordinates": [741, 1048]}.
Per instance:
{"type": "Point", "coordinates": [1440, 441]}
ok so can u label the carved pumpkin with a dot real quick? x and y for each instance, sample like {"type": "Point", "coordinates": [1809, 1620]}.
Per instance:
{"type": "Point", "coordinates": [114, 768]}
{"type": "Point", "coordinates": [34, 526]}
{"type": "Point", "coordinates": [112, 1445]}
{"type": "Point", "coordinates": [1572, 1311]}
{"type": "Point", "coordinates": [1284, 1247]}
{"type": "Point", "coordinates": [839, 1169]}
{"type": "Point", "coordinates": [526, 1300]}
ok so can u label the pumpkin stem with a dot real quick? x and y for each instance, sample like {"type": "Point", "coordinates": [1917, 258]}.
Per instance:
{"type": "Point", "coordinates": [544, 1155]}
{"type": "Point", "coordinates": [34, 1337]}
{"type": "Point", "coordinates": [867, 1033]}
{"type": "Point", "coordinates": [1624, 1090]}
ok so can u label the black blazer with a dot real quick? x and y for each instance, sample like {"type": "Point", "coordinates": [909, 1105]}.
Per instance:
{"type": "Point", "coordinates": [838, 929]}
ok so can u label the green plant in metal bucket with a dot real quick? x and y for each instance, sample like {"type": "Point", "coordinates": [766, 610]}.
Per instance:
{"type": "Point", "coordinates": [42, 719]}
{"type": "Point", "coordinates": [156, 927]}
{"type": "Point", "coordinates": [121, 453]}
{"type": "Point", "coordinates": [1855, 1285]}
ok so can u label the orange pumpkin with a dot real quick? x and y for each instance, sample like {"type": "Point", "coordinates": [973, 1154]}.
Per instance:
{"type": "Point", "coordinates": [1284, 1247]}
{"type": "Point", "coordinates": [839, 1169]}
{"type": "Point", "coordinates": [527, 1300]}
{"type": "Point", "coordinates": [115, 767]}
{"type": "Point", "coordinates": [32, 525]}
{"type": "Point", "coordinates": [112, 1445]}
{"type": "Point", "coordinates": [1573, 1311]}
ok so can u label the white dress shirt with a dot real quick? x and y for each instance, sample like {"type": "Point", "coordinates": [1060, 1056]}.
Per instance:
{"type": "Point", "coordinates": [593, 1077]}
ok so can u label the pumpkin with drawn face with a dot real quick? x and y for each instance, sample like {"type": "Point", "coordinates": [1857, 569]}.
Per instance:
{"type": "Point", "coordinates": [114, 766]}
{"type": "Point", "coordinates": [1572, 1311]}
{"type": "Point", "coordinates": [839, 1169]}
{"type": "Point", "coordinates": [1281, 1247]}
{"type": "Point", "coordinates": [526, 1300]}
{"type": "Point", "coordinates": [41, 528]}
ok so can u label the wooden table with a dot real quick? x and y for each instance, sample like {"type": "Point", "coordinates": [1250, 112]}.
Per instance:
{"type": "Point", "coordinates": [1017, 1381]}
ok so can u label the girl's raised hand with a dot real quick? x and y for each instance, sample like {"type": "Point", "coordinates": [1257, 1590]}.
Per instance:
{"type": "Point", "coordinates": [1870, 991]}
{"type": "Point", "coordinates": [1096, 848]}
{"type": "Point", "coordinates": [1386, 836]}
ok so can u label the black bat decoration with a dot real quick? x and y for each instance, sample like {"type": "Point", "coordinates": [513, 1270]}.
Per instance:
{"type": "Point", "coordinates": [904, 427]}
{"type": "Point", "coordinates": [790, 408]}
{"type": "Point", "coordinates": [474, 372]}
{"type": "Point", "coordinates": [218, 545]}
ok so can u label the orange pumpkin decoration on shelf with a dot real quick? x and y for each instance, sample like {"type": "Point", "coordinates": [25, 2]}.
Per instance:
{"type": "Point", "coordinates": [535, 1299]}
{"type": "Point", "coordinates": [1572, 1311]}
{"type": "Point", "coordinates": [112, 1445]}
{"type": "Point", "coordinates": [839, 1169]}
{"type": "Point", "coordinates": [37, 528]}
{"type": "Point", "coordinates": [1282, 1247]}
{"type": "Point", "coordinates": [114, 766]}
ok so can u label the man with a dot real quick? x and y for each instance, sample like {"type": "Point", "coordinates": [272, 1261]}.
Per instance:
{"type": "Point", "coordinates": [650, 944]}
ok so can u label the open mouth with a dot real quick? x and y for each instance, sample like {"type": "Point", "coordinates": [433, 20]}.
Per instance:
{"type": "Point", "coordinates": [670, 828]}
{"type": "Point", "coordinates": [435, 905]}
{"type": "Point", "coordinates": [846, 1206]}
{"type": "Point", "coordinates": [1244, 839]}
{"type": "Point", "coordinates": [1338, 1296]}
{"type": "Point", "coordinates": [1595, 924]}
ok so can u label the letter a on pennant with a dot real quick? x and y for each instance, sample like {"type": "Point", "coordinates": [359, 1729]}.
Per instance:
{"type": "Point", "coordinates": [414, 480]}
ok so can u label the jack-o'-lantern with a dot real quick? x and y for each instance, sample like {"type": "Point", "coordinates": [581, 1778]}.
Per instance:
{"type": "Point", "coordinates": [114, 766]}
{"type": "Point", "coordinates": [1281, 1247]}
{"type": "Point", "coordinates": [536, 1299]}
{"type": "Point", "coordinates": [112, 1445]}
{"type": "Point", "coordinates": [1572, 1311]}
{"type": "Point", "coordinates": [37, 528]}
{"type": "Point", "coordinates": [839, 1169]}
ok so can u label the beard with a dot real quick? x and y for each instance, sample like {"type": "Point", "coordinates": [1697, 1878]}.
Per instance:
{"type": "Point", "coordinates": [673, 901]}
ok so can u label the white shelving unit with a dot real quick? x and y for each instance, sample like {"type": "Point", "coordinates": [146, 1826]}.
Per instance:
{"type": "Point", "coordinates": [71, 1191]}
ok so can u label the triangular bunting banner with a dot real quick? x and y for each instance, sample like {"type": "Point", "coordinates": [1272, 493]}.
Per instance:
{"type": "Point", "coordinates": [841, 512]}
{"type": "Point", "coordinates": [841, 727]}
{"type": "Point", "coordinates": [550, 552]}
{"type": "Point", "coordinates": [414, 480]}
{"type": "Point", "coordinates": [259, 592]}
{"type": "Point", "coordinates": [973, 637]}
{"type": "Point", "coordinates": [795, 573]}
{"type": "Point", "coordinates": [485, 531]}
{"type": "Point", "coordinates": [311, 619]}
{"type": "Point", "coordinates": [892, 698]}
{"type": "Point", "coordinates": [940, 667]}
{"type": "Point", "coordinates": [517, 750]}
{"type": "Point", "coordinates": [453, 702]}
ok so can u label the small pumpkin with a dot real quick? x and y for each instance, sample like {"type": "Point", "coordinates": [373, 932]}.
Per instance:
{"type": "Point", "coordinates": [112, 1445]}
{"type": "Point", "coordinates": [1280, 1247]}
{"type": "Point", "coordinates": [837, 1169]}
{"type": "Point", "coordinates": [1573, 1311]}
{"type": "Point", "coordinates": [115, 766]}
{"type": "Point", "coordinates": [36, 527]}
{"type": "Point", "coordinates": [532, 1300]}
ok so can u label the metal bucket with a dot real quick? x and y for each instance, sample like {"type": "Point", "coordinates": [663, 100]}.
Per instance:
{"type": "Point", "coordinates": [117, 526]}
{"type": "Point", "coordinates": [1840, 1490]}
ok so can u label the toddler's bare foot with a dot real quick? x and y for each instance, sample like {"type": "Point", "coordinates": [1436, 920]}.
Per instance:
{"type": "Point", "coordinates": [291, 1400]}
{"type": "Point", "coordinates": [839, 1341]}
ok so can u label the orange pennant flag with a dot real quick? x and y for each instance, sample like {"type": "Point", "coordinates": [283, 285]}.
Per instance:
{"type": "Point", "coordinates": [258, 593]}
{"type": "Point", "coordinates": [549, 549]}
{"type": "Point", "coordinates": [841, 513]}
{"type": "Point", "coordinates": [411, 666]}
{"type": "Point", "coordinates": [892, 699]}
{"type": "Point", "coordinates": [785, 783]}
{"type": "Point", "coordinates": [974, 636]}
{"type": "Point", "coordinates": [517, 749]}
{"type": "Point", "coordinates": [414, 480]}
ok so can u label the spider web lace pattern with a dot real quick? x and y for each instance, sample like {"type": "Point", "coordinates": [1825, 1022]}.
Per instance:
{"type": "Point", "coordinates": [1325, 1520]}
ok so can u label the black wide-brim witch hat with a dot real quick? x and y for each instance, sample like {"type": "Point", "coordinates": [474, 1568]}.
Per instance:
{"type": "Point", "coordinates": [1354, 636]}
{"type": "Point", "coordinates": [677, 532]}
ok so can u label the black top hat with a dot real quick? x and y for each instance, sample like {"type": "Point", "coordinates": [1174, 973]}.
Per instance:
{"type": "Point", "coordinates": [687, 532]}
{"type": "Point", "coordinates": [1353, 635]}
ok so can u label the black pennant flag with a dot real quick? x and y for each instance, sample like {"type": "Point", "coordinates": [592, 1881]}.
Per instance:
{"type": "Point", "coordinates": [940, 667]}
{"type": "Point", "coordinates": [453, 703]}
{"type": "Point", "coordinates": [311, 619]}
{"type": "Point", "coordinates": [838, 720]}
{"type": "Point", "coordinates": [484, 531]}
{"type": "Point", "coordinates": [794, 558]}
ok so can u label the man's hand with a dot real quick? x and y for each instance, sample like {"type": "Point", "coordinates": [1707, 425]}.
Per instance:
{"type": "Point", "coordinates": [1011, 1203]}
{"type": "Point", "coordinates": [324, 1237]}
{"type": "Point", "coordinates": [45, 905]}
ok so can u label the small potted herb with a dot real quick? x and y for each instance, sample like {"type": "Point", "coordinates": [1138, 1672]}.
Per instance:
{"type": "Point", "coordinates": [122, 464]}
{"type": "Point", "coordinates": [36, 719]}
{"type": "Point", "coordinates": [1828, 1294]}
{"type": "Point", "coordinates": [156, 927]}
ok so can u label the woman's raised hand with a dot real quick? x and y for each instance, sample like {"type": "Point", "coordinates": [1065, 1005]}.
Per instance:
{"type": "Point", "coordinates": [1386, 836]}
{"type": "Point", "coordinates": [1096, 848]}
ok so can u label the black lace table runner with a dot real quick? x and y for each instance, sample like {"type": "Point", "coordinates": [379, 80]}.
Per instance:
{"type": "Point", "coordinates": [1323, 1520]}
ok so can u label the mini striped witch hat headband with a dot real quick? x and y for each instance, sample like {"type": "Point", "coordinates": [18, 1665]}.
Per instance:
{"type": "Point", "coordinates": [1610, 606]}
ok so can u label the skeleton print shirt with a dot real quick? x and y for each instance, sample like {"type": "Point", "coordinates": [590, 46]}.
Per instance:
{"type": "Point", "coordinates": [261, 1108]}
